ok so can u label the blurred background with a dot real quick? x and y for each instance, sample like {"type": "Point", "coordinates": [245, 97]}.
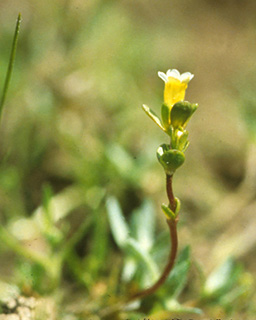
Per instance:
{"type": "Point", "coordinates": [74, 134]}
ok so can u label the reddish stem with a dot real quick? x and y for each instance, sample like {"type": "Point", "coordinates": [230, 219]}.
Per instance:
{"type": "Point", "coordinates": [170, 193]}
{"type": "Point", "coordinates": [172, 224]}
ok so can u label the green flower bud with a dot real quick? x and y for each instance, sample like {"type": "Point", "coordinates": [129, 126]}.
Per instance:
{"type": "Point", "coordinates": [181, 113]}
{"type": "Point", "coordinates": [181, 140]}
{"type": "Point", "coordinates": [170, 159]}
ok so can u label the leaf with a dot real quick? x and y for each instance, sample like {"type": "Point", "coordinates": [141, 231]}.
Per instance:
{"type": "Point", "coordinates": [124, 163]}
{"type": "Point", "coordinates": [99, 244]}
{"type": "Point", "coordinates": [222, 279]}
{"type": "Point", "coordinates": [153, 116]}
{"type": "Point", "coordinates": [143, 225]}
{"type": "Point", "coordinates": [168, 212]}
{"type": "Point", "coordinates": [160, 249]}
{"type": "Point", "coordinates": [129, 269]}
{"type": "Point", "coordinates": [134, 249]}
{"type": "Point", "coordinates": [174, 306]}
{"type": "Point", "coordinates": [119, 228]}
{"type": "Point", "coordinates": [10, 66]}
{"type": "Point", "coordinates": [178, 276]}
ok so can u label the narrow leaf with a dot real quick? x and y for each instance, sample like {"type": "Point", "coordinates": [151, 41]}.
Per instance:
{"type": "Point", "coordinates": [222, 279]}
{"type": "Point", "coordinates": [141, 255]}
{"type": "Point", "coordinates": [153, 116]}
{"type": "Point", "coordinates": [119, 228]}
{"type": "Point", "coordinates": [174, 306]}
{"type": "Point", "coordinates": [178, 276]}
{"type": "Point", "coordinates": [168, 212]}
{"type": "Point", "coordinates": [143, 225]}
{"type": "Point", "coordinates": [11, 63]}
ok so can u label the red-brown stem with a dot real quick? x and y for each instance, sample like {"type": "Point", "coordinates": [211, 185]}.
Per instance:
{"type": "Point", "coordinates": [170, 192]}
{"type": "Point", "coordinates": [172, 224]}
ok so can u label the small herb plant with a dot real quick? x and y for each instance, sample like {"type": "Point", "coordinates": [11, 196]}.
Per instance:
{"type": "Point", "coordinates": [175, 115]}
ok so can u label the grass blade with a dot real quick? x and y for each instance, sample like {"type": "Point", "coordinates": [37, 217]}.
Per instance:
{"type": "Point", "coordinates": [10, 66]}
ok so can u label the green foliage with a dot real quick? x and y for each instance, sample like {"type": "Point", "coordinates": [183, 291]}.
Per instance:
{"type": "Point", "coordinates": [225, 286]}
{"type": "Point", "coordinates": [137, 242]}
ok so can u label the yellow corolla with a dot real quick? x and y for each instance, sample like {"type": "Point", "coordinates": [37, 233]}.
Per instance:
{"type": "Point", "coordinates": [175, 85]}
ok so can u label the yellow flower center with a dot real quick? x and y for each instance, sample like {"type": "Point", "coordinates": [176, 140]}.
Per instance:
{"type": "Point", "coordinates": [174, 91]}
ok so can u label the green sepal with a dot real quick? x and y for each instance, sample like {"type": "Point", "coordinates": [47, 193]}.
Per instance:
{"type": "Point", "coordinates": [165, 113]}
{"type": "Point", "coordinates": [170, 159]}
{"type": "Point", "coordinates": [168, 212]}
{"type": "Point", "coordinates": [153, 116]}
{"type": "Point", "coordinates": [181, 113]}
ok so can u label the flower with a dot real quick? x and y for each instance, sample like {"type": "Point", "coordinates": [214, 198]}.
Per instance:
{"type": "Point", "coordinates": [175, 85]}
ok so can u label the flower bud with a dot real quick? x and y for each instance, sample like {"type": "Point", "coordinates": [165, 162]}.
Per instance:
{"type": "Point", "coordinates": [181, 113]}
{"type": "Point", "coordinates": [170, 159]}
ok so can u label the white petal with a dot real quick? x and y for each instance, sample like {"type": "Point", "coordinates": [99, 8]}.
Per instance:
{"type": "Point", "coordinates": [168, 72]}
{"type": "Point", "coordinates": [173, 73]}
{"type": "Point", "coordinates": [163, 76]}
{"type": "Point", "coordinates": [186, 77]}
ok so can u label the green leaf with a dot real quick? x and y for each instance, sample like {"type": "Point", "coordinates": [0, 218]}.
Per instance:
{"type": "Point", "coordinates": [129, 269]}
{"type": "Point", "coordinates": [165, 113]}
{"type": "Point", "coordinates": [174, 306]}
{"type": "Point", "coordinates": [222, 279]}
{"type": "Point", "coordinates": [10, 66]}
{"type": "Point", "coordinates": [160, 250]}
{"type": "Point", "coordinates": [143, 225]}
{"type": "Point", "coordinates": [119, 228]}
{"type": "Point", "coordinates": [134, 249]}
{"type": "Point", "coordinates": [178, 276]}
{"type": "Point", "coordinates": [177, 210]}
{"type": "Point", "coordinates": [99, 244]}
{"type": "Point", "coordinates": [134, 316]}
{"type": "Point", "coordinates": [153, 116]}
{"type": "Point", "coordinates": [124, 162]}
{"type": "Point", "coordinates": [168, 212]}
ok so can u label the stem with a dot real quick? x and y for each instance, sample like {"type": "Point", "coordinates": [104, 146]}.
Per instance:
{"type": "Point", "coordinates": [170, 193]}
{"type": "Point", "coordinates": [172, 224]}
